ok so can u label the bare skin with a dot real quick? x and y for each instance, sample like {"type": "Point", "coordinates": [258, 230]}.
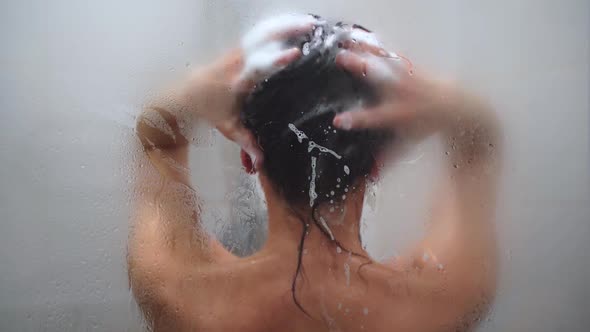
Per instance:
{"type": "Point", "coordinates": [184, 280]}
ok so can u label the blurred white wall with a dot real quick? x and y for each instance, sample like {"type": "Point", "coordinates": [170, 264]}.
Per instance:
{"type": "Point", "coordinates": [74, 73]}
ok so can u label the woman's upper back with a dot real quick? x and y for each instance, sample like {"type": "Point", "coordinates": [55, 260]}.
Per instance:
{"type": "Point", "coordinates": [340, 292]}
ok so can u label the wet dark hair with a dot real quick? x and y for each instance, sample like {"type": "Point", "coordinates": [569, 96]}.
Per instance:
{"type": "Point", "coordinates": [304, 98]}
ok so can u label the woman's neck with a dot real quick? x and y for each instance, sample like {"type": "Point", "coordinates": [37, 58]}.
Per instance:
{"type": "Point", "coordinates": [286, 224]}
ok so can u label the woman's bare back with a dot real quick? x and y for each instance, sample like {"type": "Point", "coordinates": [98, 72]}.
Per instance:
{"type": "Point", "coordinates": [310, 276]}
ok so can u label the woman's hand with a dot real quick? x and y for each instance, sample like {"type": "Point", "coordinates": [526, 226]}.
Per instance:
{"type": "Point", "coordinates": [216, 91]}
{"type": "Point", "coordinates": [417, 106]}
{"type": "Point", "coordinates": [410, 103]}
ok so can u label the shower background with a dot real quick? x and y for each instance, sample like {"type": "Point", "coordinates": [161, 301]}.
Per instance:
{"type": "Point", "coordinates": [73, 75]}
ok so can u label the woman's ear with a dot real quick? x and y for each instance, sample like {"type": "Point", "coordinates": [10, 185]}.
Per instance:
{"type": "Point", "coordinates": [376, 170]}
{"type": "Point", "coordinates": [247, 162]}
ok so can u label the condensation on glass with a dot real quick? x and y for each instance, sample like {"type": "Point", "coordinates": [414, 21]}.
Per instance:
{"type": "Point", "coordinates": [74, 76]}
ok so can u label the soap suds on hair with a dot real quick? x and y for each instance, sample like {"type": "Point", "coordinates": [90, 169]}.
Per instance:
{"type": "Point", "coordinates": [313, 145]}
{"type": "Point", "coordinates": [262, 31]}
{"type": "Point", "coordinates": [262, 61]}
{"type": "Point", "coordinates": [261, 47]}
{"type": "Point", "coordinates": [368, 38]}
{"type": "Point", "coordinates": [300, 135]}
{"type": "Point", "coordinates": [312, 194]}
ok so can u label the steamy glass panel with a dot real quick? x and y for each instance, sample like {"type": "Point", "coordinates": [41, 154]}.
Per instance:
{"type": "Point", "coordinates": [88, 218]}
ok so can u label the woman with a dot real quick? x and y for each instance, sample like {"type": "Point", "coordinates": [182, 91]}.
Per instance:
{"type": "Point", "coordinates": [313, 106]}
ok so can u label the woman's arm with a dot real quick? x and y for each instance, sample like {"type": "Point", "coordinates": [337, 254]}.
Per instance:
{"type": "Point", "coordinates": [451, 273]}
{"type": "Point", "coordinates": [459, 249]}
{"type": "Point", "coordinates": [167, 239]}
{"type": "Point", "coordinates": [167, 220]}
{"type": "Point", "coordinates": [168, 246]}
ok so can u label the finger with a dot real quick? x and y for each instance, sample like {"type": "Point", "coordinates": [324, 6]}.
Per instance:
{"type": "Point", "coordinates": [262, 64]}
{"type": "Point", "coordinates": [287, 57]}
{"type": "Point", "coordinates": [375, 69]}
{"type": "Point", "coordinates": [353, 63]}
{"type": "Point", "coordinates": [361, 46]}
{"type": "Point", "coordinates": [291, 32]}
{"type": "Point", "coordinates": [383, 116]}
{"type": "Point", "coordinates": [365, 37]}
{"type": "Point", "coordinates": [363, 40]}
{"type": "Point", "coordinates": [359, 120]}
{"type": "Point", "coordinates": [243, 85]}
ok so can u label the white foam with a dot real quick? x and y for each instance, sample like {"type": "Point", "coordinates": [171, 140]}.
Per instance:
{"type": "Point", "coordinates": [393, 55]}
{"type": "Point", "coordinates": [305, 49]}
{"type": "Point", "coordinates": [264, 29]}
{"type": "Point", "coordinates": [330, 41]}
{"type": "Point", "coordinates": [313, 145]}
{"type": "Point", "coordinates": [300, 135]}
{"type": "Point", "coordinates": [338, 33]}
{"type": "Point", "coordinates": [312, 194]}
{"type": "Point", "coordinates": [261, 62]}
{"type": "Point", "coordinates": [368, 38]}
{"type": "Point", "coordinates": [346, 170]}
{"type": "Point", "coordinates": [262, 47]}
{"type": "Point", "coordinates": [318, 31]}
